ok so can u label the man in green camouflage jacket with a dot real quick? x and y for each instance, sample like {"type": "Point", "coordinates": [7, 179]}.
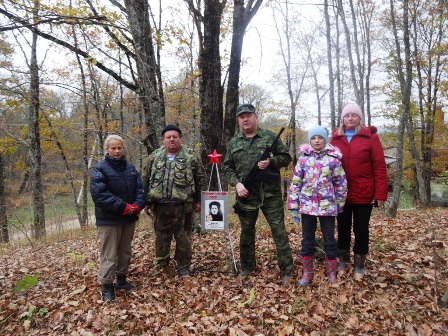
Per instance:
{"type": "Point", "coordinates": [173, 178]}
{"type": "Point", "coordinates": [243, 151]}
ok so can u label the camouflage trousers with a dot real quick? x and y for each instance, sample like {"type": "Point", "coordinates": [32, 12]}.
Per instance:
{"type": "Point", "coordinates": [173, 221]}
{"type": "Point", "coordinates": [272, 208]}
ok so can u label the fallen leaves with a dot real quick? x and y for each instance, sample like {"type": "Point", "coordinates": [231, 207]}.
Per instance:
{"type": "Point", "coordinates": [405, 274]}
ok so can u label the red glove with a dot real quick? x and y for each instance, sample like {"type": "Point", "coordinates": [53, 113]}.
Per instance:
{"type": "Point", "coordinates": [127, 210]}
{"type": "Point", "coordinates": [136, 209]}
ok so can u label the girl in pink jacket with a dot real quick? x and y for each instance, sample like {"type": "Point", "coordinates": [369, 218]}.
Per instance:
{"type": "Point", "coordinates": [318, 190]}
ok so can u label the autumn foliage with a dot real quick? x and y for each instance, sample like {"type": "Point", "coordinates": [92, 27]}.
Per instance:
{"type": "Point", "coordinates": [406, 273]}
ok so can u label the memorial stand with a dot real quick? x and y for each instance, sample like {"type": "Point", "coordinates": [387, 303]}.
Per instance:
{"type": "Point", "coordinates": [214, 214]}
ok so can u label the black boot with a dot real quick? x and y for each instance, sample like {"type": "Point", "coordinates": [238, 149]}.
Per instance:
{"type": "Point", "coordinates": [344, 259]}
{"type": "Point", "coordinates": [358, 266]}
{"type": "Point", "coordinates": [108, 292]}
{"type": "Point", "coordinates": [122, 283]}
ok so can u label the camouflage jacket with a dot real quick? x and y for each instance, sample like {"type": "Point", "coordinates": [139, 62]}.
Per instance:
{"type": "Point", "coordinates": [180, 180]}
{"type": "Point", "coordinates": [242, 154]}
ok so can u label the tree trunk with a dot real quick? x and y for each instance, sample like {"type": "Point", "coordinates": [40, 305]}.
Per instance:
{"type": "Point", "coordinates": [348, 42]}
{"type": "Point", "coordinates": [4, 232]}
{"type": "Point", "coordinates": [35, 148]}
{"type": "Point", "coordinates": [150, 90]}
{"type": "Point", "coordinates": [359, 90]}
{"type": "Point", "coordinates": [428, 65]}
{"type": "Point", "coordinates": [292, 78]}
{"type": "Point", "coordinates": [83, 214]}
{"type": "Point", "coordinates": [367, 18]}
{"type": "Point", "coordinates": [338, 64]}
{"type": "Point", "coordinates": [333, 115]}
{"type": "Point", "coordinates": [241, 19]}
{"type": "Point", "coordinates": [210, 88]}
{"type": "Point", "coordinates": [405, 79]}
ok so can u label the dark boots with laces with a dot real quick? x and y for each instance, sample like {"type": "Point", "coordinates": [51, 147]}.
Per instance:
{"type": "Point", "coordinates": [122, 283]}
{"type": "Point", "coordinates": [108, 292]}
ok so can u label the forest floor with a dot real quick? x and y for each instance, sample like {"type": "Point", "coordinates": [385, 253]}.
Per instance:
{"type": "Point", "coordinates": [406, 274]}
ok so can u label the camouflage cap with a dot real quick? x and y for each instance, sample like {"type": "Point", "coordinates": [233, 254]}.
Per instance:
{"type": "Point", "coordinates": [245, 108]}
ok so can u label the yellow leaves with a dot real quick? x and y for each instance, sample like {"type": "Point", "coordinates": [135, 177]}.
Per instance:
{"type": "Point", "coordinates": [111, 44]}
{"type": "Point", "coordinates": [249, 300]}
{"type": "Point", "coordinates": [7, 146]}
{"type": "Point", "coordinates": [14, 104]}
{"type": "Point", "coordinates": [91, 60]}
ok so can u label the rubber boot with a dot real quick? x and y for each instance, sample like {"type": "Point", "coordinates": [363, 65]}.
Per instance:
{"type": "Point", "coordinates": [108, 292]}
{"type": "Point", "coordinates": [358, 266]}
{"type": "Point", "coordinates": [308, 271]}
{"type": "Point", "coordinates": [122, 283]}
{"type": "Point", "coordinates": [344, 259]}
{"type": "Point", "coordinates": [330, 267]}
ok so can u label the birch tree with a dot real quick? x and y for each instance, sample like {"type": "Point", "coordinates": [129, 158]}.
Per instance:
{"type": "Point", "coordinates": [404, 74]}
{"type": "Point", "coordinates": [35, 152]}
{"type": "Point", "coordinates": [295, 64]}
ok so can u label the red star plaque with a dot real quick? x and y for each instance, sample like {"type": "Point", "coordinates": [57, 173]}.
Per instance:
{"type": "Point", "coordinates": [214, 157]}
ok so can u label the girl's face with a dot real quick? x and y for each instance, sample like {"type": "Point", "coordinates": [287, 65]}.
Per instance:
{"type": "Point", "coordinates": [115, 149]}
{"type": "Point", "coordinates": [317, 143]}
{"type": "Point", "coordinates": [351, 120]}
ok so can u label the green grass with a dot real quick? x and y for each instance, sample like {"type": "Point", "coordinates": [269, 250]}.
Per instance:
{"type": "Point", "coordinates": [405, 201]}
{"type": "Point", "coordinates": [439, 191]}
{"type": "Point", "coordinates": [57, 208]}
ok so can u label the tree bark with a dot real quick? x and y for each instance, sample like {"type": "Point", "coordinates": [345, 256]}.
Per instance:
{"type": "Point", "coordinates": [83, 213]}
{"type": "Point", "coordinates": [241, 19]}
{"type": "Point", "coordinates": [333, 115]}
{"type": "Point", "coordinates": [34, 136]}
{"type": "Point", "coordinates": [150, 89]}
{"type": "Point", "coordinates": [405, 79]}
{"type": "Point", "coordinates": [4, 232]}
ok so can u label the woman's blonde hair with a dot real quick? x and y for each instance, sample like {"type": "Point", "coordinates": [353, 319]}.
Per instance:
{"type": "Point", "coordinates": [111, 137]}
{"type": "Point", "coordinates": [341, 129]}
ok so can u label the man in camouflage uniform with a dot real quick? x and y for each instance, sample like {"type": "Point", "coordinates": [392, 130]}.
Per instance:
{"type": "Point", "coordinates": [243, 151]}
{"type": "Point", "coordinates": [173, 177]}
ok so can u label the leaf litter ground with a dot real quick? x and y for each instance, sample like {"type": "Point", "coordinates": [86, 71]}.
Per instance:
{"type": "Point", "coordinates": [406, 273]}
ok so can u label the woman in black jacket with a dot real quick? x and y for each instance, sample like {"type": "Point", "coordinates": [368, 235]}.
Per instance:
{"type": "Point", "coordinates": [117, 191]}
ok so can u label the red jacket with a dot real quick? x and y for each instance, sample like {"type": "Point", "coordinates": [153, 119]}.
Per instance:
{"type": "Point", "coordinates": [364, 165]}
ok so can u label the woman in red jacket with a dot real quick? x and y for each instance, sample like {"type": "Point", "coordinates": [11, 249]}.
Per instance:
{"type": "Point", "coordinates": [365, 169]}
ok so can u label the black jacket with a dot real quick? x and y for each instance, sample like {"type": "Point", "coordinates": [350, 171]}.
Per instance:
{"type": "Point", "coordinates": [113, 184]}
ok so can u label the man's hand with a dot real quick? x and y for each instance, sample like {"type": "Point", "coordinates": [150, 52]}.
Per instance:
{"type": "Point", "coordinates": [241, 190]}
{"type": "Point", "coordinates": [264, 164]}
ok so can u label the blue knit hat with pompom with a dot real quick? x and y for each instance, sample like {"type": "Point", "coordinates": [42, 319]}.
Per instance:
{"type": "Point", "coordinates": [320, 131]}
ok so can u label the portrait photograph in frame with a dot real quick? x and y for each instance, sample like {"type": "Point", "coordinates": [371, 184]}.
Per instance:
{"type": "Point", "coordinates": [214, 210]}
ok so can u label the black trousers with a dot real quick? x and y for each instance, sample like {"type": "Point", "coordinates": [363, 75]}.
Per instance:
{"type": "Point", "coordinates": [358, 216]}
{"type": "Point", "coordinates": [309, 225]}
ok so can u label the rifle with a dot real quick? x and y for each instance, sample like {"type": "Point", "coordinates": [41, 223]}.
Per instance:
{"type": "Point", "coordinates": [256, 174]}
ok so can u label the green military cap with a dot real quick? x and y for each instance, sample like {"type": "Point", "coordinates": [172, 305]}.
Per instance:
{"type": "Point", "coordinates": [245, 108]}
